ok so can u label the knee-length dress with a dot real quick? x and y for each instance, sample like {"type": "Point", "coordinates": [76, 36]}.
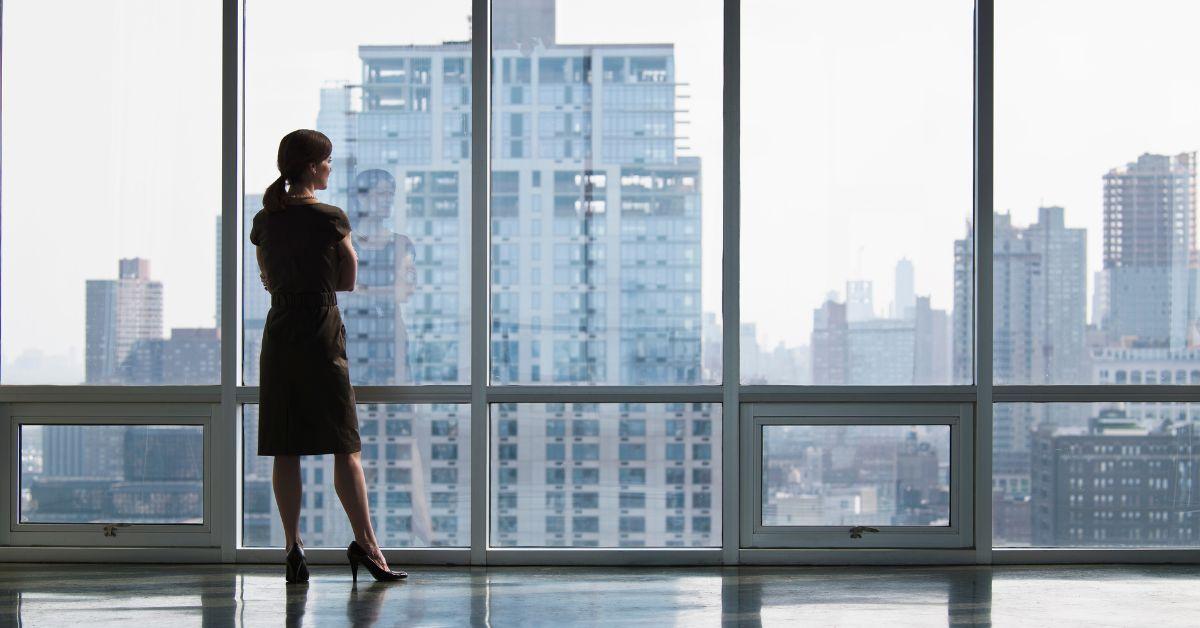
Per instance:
{"type": "Point", "coordinates": [306, 403]}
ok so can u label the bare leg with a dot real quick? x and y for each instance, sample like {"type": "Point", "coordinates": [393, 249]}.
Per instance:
{"type": "Point", "coordinates": [351, 488]}
{"type": "Point", "coordinates": [285, 478]}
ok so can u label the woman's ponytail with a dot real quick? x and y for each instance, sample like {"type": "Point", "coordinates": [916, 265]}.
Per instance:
{"type": "Point", "coordinates": [273, 197]}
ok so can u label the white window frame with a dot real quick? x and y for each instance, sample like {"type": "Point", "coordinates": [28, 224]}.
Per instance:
{"type": "Point", "coordinates": [956, 416]}
{"type": "Point", "coordinates": [14, 416]}
{"type": "Point", "coordinates": [223, 443]}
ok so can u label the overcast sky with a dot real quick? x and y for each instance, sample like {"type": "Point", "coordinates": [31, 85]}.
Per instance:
{"type": "Point", "coordinates": [856, 146]}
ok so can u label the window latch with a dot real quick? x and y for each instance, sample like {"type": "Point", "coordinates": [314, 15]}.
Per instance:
{"type": "Point", "coordinates": [111, 529]}
{"type": "Point", "coordinates": [857, 531]}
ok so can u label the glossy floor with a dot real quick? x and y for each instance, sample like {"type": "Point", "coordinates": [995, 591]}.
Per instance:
{"type": "Point", "coordinates": [216, 595]}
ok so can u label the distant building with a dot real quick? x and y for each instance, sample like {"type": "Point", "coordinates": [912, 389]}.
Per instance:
{"type": "Point", "coordinates": [905, 291]}
{"type": "Point", "coordinates": [830, 337]}
{"type": "Point", "coordinates": [120, 312]}
{"type": "Point", "coordinates": [877, 352]}
{"type": "Point", "coordinates": [1149, 249]}
{"type": "Point", "coordinates": [1116, 483]}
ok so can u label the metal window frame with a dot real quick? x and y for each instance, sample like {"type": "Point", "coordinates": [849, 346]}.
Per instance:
{"type": "Point", "coordinates": [205, 416]}
{"type": "Point", "coordinates": [956, 416]}
{"type": "Point", "coordinates": [224, 481]}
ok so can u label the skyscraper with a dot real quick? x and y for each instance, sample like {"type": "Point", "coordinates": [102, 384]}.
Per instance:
{"type": "Point", "coordinates": [120, 312]}
{"type": "Point", "coordinates": [905, 292]}
{"type": "Point", "coordinates": [595, 279]}
{"type": "Point", "coordinates": [1149, 247]}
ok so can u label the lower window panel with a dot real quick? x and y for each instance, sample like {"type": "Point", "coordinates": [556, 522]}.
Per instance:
{"type": "Point", "coordinates": [1077, 475]}
{"type": "Point", "coordinates": [141, 474]}
{"type": "Point", "coordinates": [606, 475]}
{"type": "Point", "coordinates": [416, 461]}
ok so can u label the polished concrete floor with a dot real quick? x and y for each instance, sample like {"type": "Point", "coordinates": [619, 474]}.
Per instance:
{"type": "Point", "coordinates": [216, 595]}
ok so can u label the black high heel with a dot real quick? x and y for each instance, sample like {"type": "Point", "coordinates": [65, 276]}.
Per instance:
{"type": "Point", "coordinates": [357, 555]}
{"type": "Point", "coordinates": [297, 566]}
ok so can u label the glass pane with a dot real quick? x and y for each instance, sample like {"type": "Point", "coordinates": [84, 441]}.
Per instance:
{"type": "Point", "coordinates": [391, 89]}
{"type": "Point", "coordinates": [606, 192]}
{"type": "Point", "coordinates": [1095, 233]}
{"type": "Point", "coordinates": [416, 460]}
{"type": "Point", "coordinates": [112, 474]}
{"type": "Point", "coordinates": [856, 192]}
{"type": "Point", "coordinates": [875, 475]}
{"type": "Point", "coordinates": [1095, 475]}
{"type": "Point", "coordinates": [606, 475]}
{"type": "Point", "coordinates": [111, 196]}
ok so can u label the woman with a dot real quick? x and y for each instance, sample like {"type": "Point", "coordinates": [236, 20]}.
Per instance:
{"type": "Point", "coordinates": [306, 404]}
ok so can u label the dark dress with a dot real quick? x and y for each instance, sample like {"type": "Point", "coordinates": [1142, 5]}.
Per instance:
{"type": "Point", "coordinates": [306, 403]}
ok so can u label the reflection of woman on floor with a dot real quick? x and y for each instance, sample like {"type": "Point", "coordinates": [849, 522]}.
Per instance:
{"type": "Point", "coordinates": [374, 233]}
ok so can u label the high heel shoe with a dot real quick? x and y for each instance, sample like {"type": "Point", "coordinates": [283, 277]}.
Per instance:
{"type": "Point", "coordinates": [297, 566]}
{"type": "Point", "coordinates": [358, 555]}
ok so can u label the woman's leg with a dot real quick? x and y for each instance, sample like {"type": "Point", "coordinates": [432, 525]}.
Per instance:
{"type": "Point", "coordinates": [351, 488]}
{"type": "Point", "coordinates": [285, 478]}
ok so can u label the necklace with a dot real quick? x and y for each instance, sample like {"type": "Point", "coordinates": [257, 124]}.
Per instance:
{"type": "Point", "coordinates": [300, 198]}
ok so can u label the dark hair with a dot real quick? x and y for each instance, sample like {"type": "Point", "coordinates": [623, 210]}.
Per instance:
{"type": "Point", "coordinates": [297, 150]}
{"type": "Point", "coordinates": [405, 247]}
{"type": "Point", "coordinates": [365, 181]}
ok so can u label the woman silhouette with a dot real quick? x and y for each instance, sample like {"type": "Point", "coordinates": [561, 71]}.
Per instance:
{"type": "Point", "coordinates": [306, 403]}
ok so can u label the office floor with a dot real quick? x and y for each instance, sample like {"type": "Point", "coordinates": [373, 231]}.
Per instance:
{"type": "Point", "coordinates": [218, 595]}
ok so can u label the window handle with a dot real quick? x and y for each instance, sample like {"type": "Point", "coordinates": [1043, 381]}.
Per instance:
{"type": "Point", "coordinates": [111, 529]}
{"type": "Point", "coordinates": [857, 531]}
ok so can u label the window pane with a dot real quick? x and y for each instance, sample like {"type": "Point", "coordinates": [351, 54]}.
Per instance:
{"type": "Point", "coordinates": [112, 474]}
{"type": "Point", "coordinates": [856, 192]}
{"type": "Point", "coordinates": [606, 193]}
{"type": "Point", "coordinates": [392, 91]}
{"type": "Point", "coordinates": [884, 475]}
{"type": "Point", "coordinates": [111, 196]}
{"type": "Point", "coordinates": [418, 481]}
{"type": "Point", "coordinates": [1095, 475]}
{"type": "Point", "coordinates": [607, 489]}
{"type": "Point", "coordinates": [1095, 238]}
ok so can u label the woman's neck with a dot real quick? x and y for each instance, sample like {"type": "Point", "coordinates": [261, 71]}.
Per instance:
{"type": "Point", "coordinates": [302, 190]}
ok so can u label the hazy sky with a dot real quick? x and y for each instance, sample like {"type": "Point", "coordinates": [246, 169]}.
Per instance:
{"type": "Point", "coordinates": [856, 132]}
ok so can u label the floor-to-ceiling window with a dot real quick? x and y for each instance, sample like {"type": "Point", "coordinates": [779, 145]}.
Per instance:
{"type": "Point", "coordinates": [700, 280]}
{"type": "Point", "coordinates": [1095, 275]}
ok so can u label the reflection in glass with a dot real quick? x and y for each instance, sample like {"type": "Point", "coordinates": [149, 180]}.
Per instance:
{"type": "Point", "coordinates": [395, 100]}
{"type": "Point", "coordinates": [606, 475]}
{"type": "Point", "coordinates": [112, 474]}
{"type": "Point", "coordinates": [882, 475]}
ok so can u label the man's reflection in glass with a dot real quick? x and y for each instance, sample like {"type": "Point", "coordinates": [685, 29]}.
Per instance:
{"type": "Point", "coordinates": [386, 283]}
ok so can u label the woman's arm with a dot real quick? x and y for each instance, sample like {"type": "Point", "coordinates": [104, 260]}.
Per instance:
{"type": "Point", "coordinates": [262, 268]}
{"type": "Point", "coordinates": [347, 265]}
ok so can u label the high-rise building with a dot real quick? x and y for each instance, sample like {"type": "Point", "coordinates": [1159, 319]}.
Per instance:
{"type": "Point", "coordinates": [595, 278]}
{"type": "Point", "coordinates": [1149, 247]}
{"type": "Point", "coordinates": [829, 345]}
{"type": "Point", "coordinates": [860, 301]}
{"type": "Point", "coordinates": [1039, 312]}
{"type": "Point", "coordinates": [1060, 311]}
{"type": "Point", "coordinates": [963, 345]}
{"type": "Point", "coordinates": [120, 313]}
{"type": "Point", "coordinates": [905, 289]}
{"type": "Point", "coordinates": [880, 352]}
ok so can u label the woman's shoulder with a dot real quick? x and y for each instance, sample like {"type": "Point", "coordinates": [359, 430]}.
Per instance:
{"type": "Point", "coordinates": [331, 210]}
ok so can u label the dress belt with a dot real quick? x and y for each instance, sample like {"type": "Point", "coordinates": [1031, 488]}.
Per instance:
{"type": "Point", "coordinates": [303, 299]}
